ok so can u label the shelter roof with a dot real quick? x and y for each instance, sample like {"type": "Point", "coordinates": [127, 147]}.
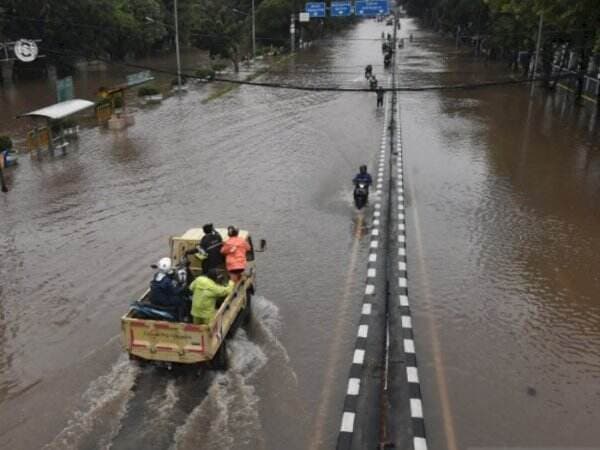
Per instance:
{"type": "Point", "coordinates": [60, 110]}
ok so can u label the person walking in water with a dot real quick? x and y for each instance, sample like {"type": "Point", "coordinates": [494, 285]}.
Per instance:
{"type": "Point", "coordinates": [380, 93]}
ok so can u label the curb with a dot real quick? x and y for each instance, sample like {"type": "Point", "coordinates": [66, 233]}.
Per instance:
{"type": "Point", "coordinates": [357, 376]}
{"type": "Point", "coordinates": [412, 373]}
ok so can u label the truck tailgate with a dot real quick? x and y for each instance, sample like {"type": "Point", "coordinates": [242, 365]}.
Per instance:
{"type": "Point", "coordinates": [165, 341]}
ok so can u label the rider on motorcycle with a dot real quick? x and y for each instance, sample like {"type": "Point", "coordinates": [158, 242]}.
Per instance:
{"type": "Point", "coordinates": [363, 177]}
{"type": "Point", "coordinates": [166, 291]}
{"type": "Point", "coordinates": [373, 82]}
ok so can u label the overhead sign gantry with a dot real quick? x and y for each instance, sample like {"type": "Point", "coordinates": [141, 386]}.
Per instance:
{"type": "Point", "coordinates": [362, 8]}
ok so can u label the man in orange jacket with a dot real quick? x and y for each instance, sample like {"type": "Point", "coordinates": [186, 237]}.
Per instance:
{"type": "Point", "coordinates": [235, 249]}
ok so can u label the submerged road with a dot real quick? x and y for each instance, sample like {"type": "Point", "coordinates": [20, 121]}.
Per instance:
{"type": "Point", "coordinates": [502, 223]}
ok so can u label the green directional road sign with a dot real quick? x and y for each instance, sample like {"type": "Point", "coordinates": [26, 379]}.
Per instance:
{"type": "Point", "coordinates": [64, 89]}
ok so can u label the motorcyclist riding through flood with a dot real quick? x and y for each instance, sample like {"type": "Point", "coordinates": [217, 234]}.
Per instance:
{"type": "Point", "coordinates": [362, 181]}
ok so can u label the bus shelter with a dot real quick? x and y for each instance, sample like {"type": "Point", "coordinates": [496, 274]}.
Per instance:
{"type": "Point", "coordinates": [51, 129]}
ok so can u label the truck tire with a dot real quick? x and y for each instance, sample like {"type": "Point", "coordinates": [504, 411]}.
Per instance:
{"type": "Point", "coordinates": [219, 361]}
{"type": "Point", "coordinates": [248, 309]}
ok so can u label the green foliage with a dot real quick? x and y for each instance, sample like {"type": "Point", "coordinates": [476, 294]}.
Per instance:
{"type": "Point", "coordinates": [273, 20]}
{"type": "Point", "coordinates": [513, 24]}
{"type": "Point", "coordinates": [205, 73]}
{"type": "Point", "coordinates": [147, 90]}
{"type": "Point", "coordinates": [5, 142]}
{"type": "Point", "coordinates": [219, 67]}
{"type": "Point", "coordinates": [221, 28]}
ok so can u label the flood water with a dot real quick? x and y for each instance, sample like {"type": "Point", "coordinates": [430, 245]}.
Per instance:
{"type": "Point", "coordinates": [503, 237]}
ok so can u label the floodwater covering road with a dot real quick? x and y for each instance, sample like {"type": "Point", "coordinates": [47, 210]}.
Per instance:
{"type": "Point", "coordinates": [503, 232]}
{"type": "Point", "coordinates": [503, 240]}
{"type": "Point", "coordinates": [81, 231]}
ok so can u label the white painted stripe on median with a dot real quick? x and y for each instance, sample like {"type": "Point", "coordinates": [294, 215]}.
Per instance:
{"type": "Point", "coordinates": [371, 273]}
{"type": "Point", "coordinates": [416, 408]}
{"type": "Point", "coordinates": [402, 282]}
{"type": "Point", "coordinates": [401, 227]}
{"type": "Point", "coordinates": [376, 214]}
{"type": "Point", "coordinates": [373, 257]}
{"type": "Point", "coordinates": [359, 356]}
{"type": "Point", "coordinates": [402, 251]}
{"type": "Point", "coordinates": [412, 374]}
{"type": "Point", "coordinates": [403, 300]}
{"type": "Point", "coordinates": [374, 244]}
{"type": "Point", "coordinates": [409, 346]}
{"type": "Point", "coordinates": [366, 309]}
{"type": "Point", "coordinates": [375, 232]}
{"type": "Point", "coordinates": [402, 266]}
{"type": "Point", "coordinates": [406, 322]}
{"type": "Point", "coordinates": [363, 331]}
{"type": "Point", "coordinates": [353, 386]}
{"type": "Point", "coordinates": [401, 238]}
{"type": "Point", "coordinates": [419, 443]}
{"type": "Point", "coordinates": [369, 289]}
{"type": "Point", "coordinates": [347, 423]}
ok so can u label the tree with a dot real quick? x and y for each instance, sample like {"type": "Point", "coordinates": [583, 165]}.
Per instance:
{"type": "Point", "coordinates": [221, 28]}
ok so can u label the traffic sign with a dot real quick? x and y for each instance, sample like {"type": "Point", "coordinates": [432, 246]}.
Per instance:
{"type": "Point", "coordinates": [315, 9]}
{"type": "Point", "coordinates": [341, 9]}
{"type": "Point", "coordinates": [26, 50]}
{"type": "Point", "coordinates": [304, 17]}
{"type": "Point", "coordinates": [371, 8]}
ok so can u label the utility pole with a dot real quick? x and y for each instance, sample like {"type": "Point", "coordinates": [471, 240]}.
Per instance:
{"type": "Point", "coordinates": [292, 34]}
{"type": "Point", "coordinates": [177, 46]}
{"type": "Point", "coordinates": [253, 33]}
{"type": "Point", "coordinates": [538, 46]}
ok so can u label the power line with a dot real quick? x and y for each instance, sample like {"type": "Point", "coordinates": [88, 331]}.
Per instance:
{"type": "Point", "coordinates": [274, 85]}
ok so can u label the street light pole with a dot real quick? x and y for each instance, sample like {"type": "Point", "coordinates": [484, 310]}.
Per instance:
{"type": "Point", "coordinates": [177, 46]}
{"type": "Point", "coordinates": [292, 34]}
{"type": "Point", "coordinates": [538, 45]}
{"type": "Point", "coordinates": [253, 33]}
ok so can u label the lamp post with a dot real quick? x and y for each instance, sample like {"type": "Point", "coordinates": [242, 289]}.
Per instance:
{"type": "Point", "coordinates": [177, 47]}
{"type": "Point", "coordinates": [253, 33]}
{"type": "Point", "coordinates": [151, 20]}
{"type": "Point", "coordinates": [237, 11]}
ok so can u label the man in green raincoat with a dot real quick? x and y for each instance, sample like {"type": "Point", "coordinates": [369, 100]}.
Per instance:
{"type": "Point", "coordinates": [206, 291]}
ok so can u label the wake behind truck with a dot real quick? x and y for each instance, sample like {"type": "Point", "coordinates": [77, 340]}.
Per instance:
{"type": "Point", "coordinates": [166, 342]}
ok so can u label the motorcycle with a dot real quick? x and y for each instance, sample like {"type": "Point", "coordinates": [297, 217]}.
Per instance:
{"type": "Point", "coordinates": [361, 195]}
{"type": "Point", "coordinates": [373, 83]}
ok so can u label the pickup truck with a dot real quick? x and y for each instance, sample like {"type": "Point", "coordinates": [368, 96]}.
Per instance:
{"type": "Point", "coordinates": [168, 343]}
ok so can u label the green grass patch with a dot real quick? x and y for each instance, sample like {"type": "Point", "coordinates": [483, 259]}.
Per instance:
{"type": "Point", "coordinates": [220, 92]}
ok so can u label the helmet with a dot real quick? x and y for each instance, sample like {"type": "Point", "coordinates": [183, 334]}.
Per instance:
{"type": "Point", "coordinates": [213, 274]}
{"type": "Point", "coordinates": [363, 169]}
{"type": "Point", "coordinates": [164, 264]}
{"type": "Point", "coordinates": [232, 231]}
{"type": "Point", "coordinates": [208, 228]}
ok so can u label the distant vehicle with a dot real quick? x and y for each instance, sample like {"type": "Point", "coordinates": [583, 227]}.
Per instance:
{"type": "Point", "coordinates": [163, 341]}
{"type": "Point", "coordinates": [389, 21]}
{"type": "Point", "coordinates": [9, 157]}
